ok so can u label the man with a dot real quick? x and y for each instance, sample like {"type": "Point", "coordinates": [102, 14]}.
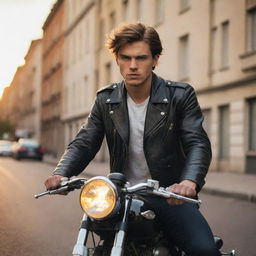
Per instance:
{"type": "Point", "coordinates": [154, 130]}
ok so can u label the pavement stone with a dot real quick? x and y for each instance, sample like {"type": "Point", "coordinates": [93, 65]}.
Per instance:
{"type": "Point", "coordinates": [234, 185]}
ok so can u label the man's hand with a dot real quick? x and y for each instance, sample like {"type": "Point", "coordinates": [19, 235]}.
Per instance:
{"type": "Point", "coordinates": [53, 182]}
{"type": "Point", "coordinates": [184, 188]}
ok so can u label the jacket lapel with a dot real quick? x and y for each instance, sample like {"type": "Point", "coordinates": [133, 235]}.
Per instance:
{"type": "Point", "coordinates": [158, 106]}
{"type": "Point", "coordinates": [119, 112]}
{"type": "Point", "coordinates": [157, 110]}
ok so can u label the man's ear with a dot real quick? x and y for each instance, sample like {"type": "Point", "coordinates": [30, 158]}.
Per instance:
{"type": "Point", "coordinates": [117, 60]}
{"type": "Point", "coordinates": [156, 58]}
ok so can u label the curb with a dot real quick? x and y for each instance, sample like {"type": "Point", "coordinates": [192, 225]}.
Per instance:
{"type": "Point", "coordinates": [230, 194]}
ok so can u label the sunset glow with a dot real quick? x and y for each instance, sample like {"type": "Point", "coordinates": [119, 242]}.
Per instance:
{"type": "Point", "coordinates": [20, 22]}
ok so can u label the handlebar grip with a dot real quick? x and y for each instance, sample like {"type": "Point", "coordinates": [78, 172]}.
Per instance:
{"type": "Point", "coordinates": [188, 199]}
{"type": "Point", "coordinates": [168, 194]}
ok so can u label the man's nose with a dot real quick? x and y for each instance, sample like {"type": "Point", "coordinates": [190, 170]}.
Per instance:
{"type": "Point", "coordinates": [133, 64]}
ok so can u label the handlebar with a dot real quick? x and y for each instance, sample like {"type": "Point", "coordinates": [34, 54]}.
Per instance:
{"type": "Point", "coordinates": [151, 187]}
{"type": "Point", "coordinates": [65, 185]}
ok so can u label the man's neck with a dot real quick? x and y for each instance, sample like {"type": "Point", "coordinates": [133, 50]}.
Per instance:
{"type": "Point", "coordinates": [139, 93]}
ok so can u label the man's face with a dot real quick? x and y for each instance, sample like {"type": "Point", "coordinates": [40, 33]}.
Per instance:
{"type": "Point", "coordinates": [135, 62]}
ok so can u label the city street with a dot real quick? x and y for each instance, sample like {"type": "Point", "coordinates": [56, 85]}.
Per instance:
{"type": "Point", "coordinates": [48, 226]}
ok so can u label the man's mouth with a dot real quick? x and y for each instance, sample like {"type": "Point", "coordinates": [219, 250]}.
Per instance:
{"type": "Point", "coordinates": [133, 75]}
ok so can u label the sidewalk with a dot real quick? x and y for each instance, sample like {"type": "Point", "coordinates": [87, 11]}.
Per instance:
{"type": "Point", "coordinates": [239, 186]}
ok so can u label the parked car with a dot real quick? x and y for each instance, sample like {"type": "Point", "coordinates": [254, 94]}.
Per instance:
{"type": "Point", "coordinates": [27, 148]}
{"type": "Point", "coordinates": [5, 148]}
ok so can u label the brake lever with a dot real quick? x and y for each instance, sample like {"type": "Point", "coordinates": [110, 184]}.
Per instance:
{"type": "Point", "coordinates": [77, 182]}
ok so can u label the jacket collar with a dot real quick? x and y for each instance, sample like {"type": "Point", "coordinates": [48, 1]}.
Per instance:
{"type": "Point", "coordinates": [158, 92]}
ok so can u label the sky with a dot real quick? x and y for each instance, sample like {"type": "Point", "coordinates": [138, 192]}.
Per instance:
{"type": "Point", "coordinates": [21, 22]}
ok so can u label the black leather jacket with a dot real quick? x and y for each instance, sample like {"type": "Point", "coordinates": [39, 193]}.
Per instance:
{"type": "Point", "coordinates": [175, 145]}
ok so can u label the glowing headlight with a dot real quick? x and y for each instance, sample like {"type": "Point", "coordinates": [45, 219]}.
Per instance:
{"type": "Point", "coordinates": [98, 197]}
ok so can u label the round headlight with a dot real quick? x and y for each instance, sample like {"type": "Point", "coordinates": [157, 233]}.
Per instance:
{"type": "Point", "coordinates": [98, 198]}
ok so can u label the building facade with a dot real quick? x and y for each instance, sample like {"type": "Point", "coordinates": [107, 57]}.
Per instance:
{"type": "Point", "coordinates": [79, 64]}
{"type": "Point", "coordinates": [229, 100]}
{"type": "Point", "coordinates": [30, 93]}
{"type": "Point", "coordinates": [52, 128]}
{"type": "Point", "coordinates": [21, 100]}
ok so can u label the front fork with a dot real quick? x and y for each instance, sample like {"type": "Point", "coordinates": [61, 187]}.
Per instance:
{"type": "Point", "coordinates": [117, 250]}
{"type": "Point", "coordinates": [80, 248]}
{"type": "Point", "coordinates": [118, 246]}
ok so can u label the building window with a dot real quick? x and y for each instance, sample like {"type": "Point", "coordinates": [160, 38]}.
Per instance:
{"type": "Point", "coordinates": [125, 9]}
{"type": "Point", "coordinates": [66, 59]}
{"type": "Point", "coordinates": [66, 100]}
{"type": "Point", "coordinates": [88, 37]}
{"type": "Point", "coordinates": [70, 134]}
{"type": "Point", "coordinates": [102, 33]}
{"type": "Point", "coordinates": [74, 96]}
{"type": "Point", "coordinates": [85, 91]}
{"type": "Point", "coordinates": [74, 8]}
{"type": "Point", "coordinates": [252, 124]}
{"type": "Point", "coordinates": [80, 42]}
{"type": "Point", "coordinates": [184, 5]}
{"type": "Point", "coordinates": [74, 47]}
{"type": "Point", "coordinates": [224, 132]}
{"type": "Point", "coordinates": [159, 11]}
{"type": "Point", "coordinates": [139, 9]}
{"type": "Point", "coordinates": [207, 121]}
{"type": "Point", "coordinates": [112, 19]}
{"type": "Point", "coordinates": [96, 79]}
{"type": "Point", "coordinates": [108, 72]}
{"type": "Point", "coordinates": [251, 30]}
{"type": "Point", "coordinates": [225, 44]}
{"type": "Point", "coordinates": [213, 56]}
{"type": "Point", "coordinates": [184, 57]}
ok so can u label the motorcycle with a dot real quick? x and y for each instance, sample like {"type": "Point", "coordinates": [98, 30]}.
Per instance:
{"type": "Point", "coordinates": [119, 219]}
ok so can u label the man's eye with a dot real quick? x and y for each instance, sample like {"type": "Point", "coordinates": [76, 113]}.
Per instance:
{"type": "Point", "coordinates": [141, 57]}
{"type": "Point", "coordinates": [125, 57]}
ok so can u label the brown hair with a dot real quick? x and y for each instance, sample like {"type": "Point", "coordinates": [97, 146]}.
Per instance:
{"type": "Point", "coordinates": [129, 33]}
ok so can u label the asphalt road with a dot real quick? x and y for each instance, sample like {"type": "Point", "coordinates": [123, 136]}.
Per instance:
{"type": "Point", "coordinates": [48, 226]}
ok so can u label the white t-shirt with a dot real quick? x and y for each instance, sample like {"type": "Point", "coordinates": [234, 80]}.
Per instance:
{"type": "Point", "coordinates": [137, 168]}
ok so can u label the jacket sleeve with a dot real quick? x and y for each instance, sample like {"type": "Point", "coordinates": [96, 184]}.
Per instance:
{"type": "Point", "coordinates": [194, 140]}
{"type": "Point", "coordinates": [84, 147]}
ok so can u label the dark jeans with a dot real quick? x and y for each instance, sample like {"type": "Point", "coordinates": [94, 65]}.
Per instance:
{"type": "Point", "coordinates": [186, 227]}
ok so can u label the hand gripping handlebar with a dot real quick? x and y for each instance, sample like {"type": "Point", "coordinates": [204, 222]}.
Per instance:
{"type": "Point", "coordinates": [152, 187]}
{"type": "Point", "coordinates": [65, 185]}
